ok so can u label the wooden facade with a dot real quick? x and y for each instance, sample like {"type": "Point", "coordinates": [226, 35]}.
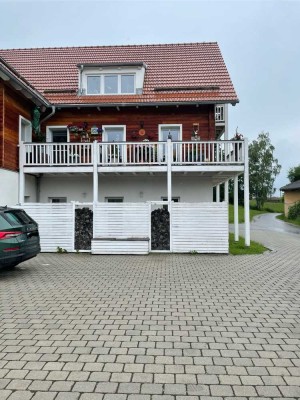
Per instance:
{"type": "Point", "coordinates": [12, 106]}
{"type": "Point", "coordinates": [134, 118]}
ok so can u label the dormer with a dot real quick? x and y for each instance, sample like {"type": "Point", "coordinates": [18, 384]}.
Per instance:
{"type": "Point", "coordinates": [111, 79]}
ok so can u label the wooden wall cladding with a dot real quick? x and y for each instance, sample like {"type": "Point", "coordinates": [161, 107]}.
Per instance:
{"type": "Point", "coordinates": [151, 117]}
{"type": "Point", "coordinates": [13, 106]}
{"type": "Point", "coordinates": [1, 122]}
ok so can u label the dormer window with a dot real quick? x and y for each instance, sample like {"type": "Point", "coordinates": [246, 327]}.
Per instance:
{"type": "Point", "coordinates": [112, 80]}
{"type": "Point", "coordinates": [110, 84]}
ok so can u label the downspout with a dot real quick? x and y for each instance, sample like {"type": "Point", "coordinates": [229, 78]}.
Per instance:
{"type": "Point", "coordinates": [80, 80]}
{"type": "Point", "coordinates": [48, 116]}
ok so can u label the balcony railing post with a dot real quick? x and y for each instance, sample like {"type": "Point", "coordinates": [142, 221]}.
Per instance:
{"type": "Point", "coordinates": [169, 151]}
{"type": "Point", "coordinates": [95, 171]}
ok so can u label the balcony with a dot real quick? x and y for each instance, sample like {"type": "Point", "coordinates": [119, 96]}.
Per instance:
{"type": "Point", "coordinates": [190, 153]}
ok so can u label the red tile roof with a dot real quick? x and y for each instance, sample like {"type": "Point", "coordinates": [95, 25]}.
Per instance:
{"type": "Point", "coordinates": [190, 66]}
{"type": "Point", "coordinates": [13, 75]}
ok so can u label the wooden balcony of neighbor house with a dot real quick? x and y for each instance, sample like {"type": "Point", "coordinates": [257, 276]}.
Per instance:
{"type": "Point", "coordinates": [80, 156]}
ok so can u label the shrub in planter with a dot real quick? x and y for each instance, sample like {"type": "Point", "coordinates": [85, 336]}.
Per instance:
{"type": "Point", "coordinates": [294, 211]}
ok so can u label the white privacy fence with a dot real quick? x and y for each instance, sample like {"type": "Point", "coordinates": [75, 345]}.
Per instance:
{"type": "Point", "coordinates": [56, 224]}
{"type": "Point", "coordinates": [200, 227]}
{"type": "Point", "coordinates": [125, 228]}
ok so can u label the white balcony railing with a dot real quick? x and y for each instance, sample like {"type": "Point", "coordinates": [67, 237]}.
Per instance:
{"type": "Point", "coordinates": [58, 154]}
{"type": "Point", "coordinates": [139, 153]}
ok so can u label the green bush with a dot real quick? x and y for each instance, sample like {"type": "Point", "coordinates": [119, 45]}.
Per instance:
{"type": "Point", "coordinates": [294, 211]}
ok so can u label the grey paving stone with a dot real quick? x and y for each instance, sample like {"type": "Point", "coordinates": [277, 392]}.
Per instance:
{"type": "Point", "coordinates": [44, 396]}
{"type": "Point", "coordinates": [106, 387]}
{"type": "Point", "coordinates": [91, 396]}
{"type": "Point", "coordinates": [67, 396]}
{"type": "Point", "coordinates": [4, 394]}
{"type": "Point", "coordinates": [221, 390]}
{"type": "Point", "coordinates": [21, 395]}
{"type": "Point", "coordinates": [175, 389]}
{"type": "Point", "coordinates": [244, 391]}
{"type": "Point", "coordinates": [40, 385]}
{"type": "Point", "coordinates": [290, 391]}
{"type": "Point", "coordinates": [84, 387]}
{"type": "Point", "coordinates": [152, 388]}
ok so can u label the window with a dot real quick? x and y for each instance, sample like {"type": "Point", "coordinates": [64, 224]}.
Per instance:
{"type": "Point", "coordinates": [110, 84]}
{"type": "Point", "coordinates": [175, 199]}
{"type": "Point", "coordinates": [114, 199]}
{"type": "Point", "coordinates": [127, 83]}
{"type": "Point", "coordinates": [93, 85]}
{"type": "Point", "coordinates": [57, 199]}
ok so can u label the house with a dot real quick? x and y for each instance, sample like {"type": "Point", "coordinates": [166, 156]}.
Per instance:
{"type": "Point", "coordinates": [291, 195]}
{"type": "Point", "coordinates": [117, 125]}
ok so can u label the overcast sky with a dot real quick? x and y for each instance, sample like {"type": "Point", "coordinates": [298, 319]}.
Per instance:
{"type": "Point", "coordinates": [259, 41]}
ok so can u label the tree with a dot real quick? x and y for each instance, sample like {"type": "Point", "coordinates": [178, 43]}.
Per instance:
{"type": "Point", "coordinates": [294, 174]}
{"type": "Point", "coordinates": [263, 169]}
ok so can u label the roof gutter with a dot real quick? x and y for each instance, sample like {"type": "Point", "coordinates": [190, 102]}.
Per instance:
{"type": "Point", "coordinates": [174, 103]}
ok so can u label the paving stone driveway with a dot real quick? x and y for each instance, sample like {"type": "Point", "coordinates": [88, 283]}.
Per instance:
{"type": "Point", "coordinates": [155, 327]}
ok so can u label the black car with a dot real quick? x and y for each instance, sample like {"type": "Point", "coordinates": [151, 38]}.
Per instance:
{"type": "Point", "coordinates": [19, 237]}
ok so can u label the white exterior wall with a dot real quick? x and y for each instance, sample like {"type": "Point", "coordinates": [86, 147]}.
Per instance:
{"type": "Point", "coordinates": [30, 189]}
{"type": "Point", "coordinates": [8, 187]}
{"type": "Point", "coordinates": [133, 188]}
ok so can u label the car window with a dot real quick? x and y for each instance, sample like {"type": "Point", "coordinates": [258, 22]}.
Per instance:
{"type": "Point", "coordinates": [23, 217]}
{"type": "Point", "coordinates": [13, 219]}
{"type": "Point", "coordinates": [4, 224]}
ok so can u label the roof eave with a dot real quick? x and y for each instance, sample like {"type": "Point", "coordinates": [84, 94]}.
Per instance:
{"type": "Point", "coordinates": [145, 104]}
{"type": "Point", "coordinates": [28, 92]}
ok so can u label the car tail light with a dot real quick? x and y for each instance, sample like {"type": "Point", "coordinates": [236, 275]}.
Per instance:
{"type": "Point", "coordinates": [8, 235]}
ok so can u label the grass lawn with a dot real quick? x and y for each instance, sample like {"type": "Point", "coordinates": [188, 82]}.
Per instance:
{"type": "Point", "coordinates": [290, 221]}
{"type": "Point", "coordinates": [268, 207]}
{"type": "Point", "coordinates": [239, 248]}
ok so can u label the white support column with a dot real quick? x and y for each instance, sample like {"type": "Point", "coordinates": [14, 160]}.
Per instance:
{"type": "Point", "coordinates": [95, 172]}
{"type": "Point", "coordinates": [218, 193]}
{"type": "Point", "coordinates": [169, 178]}
{"type": "Point", "coordinates": [226, 196]}
{"type": "Point", "coordinates": [169, 169]}
{"type": "Point", "coordinates": [246, 194]}
{"type": "Point", "coordinates": [236, 209]}
{"type": "Point", "coordinates": [22, 159]}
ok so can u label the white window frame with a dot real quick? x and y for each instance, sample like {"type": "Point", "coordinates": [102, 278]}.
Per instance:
{"type": "Point", "coordinates": [102, 83]}
{"type": "Point", "coordinates": [161, 148]}
{"type": "Point", "coordinates": [104, 140]}
{"type": "Point", "coordinates": [93, 76]}
{"type": "Point", "coordinates": [28, 125]}
{"type": "Point", "coordinates": [160, 126]}
{"type": "Point", "coordinates": [51, 128]}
